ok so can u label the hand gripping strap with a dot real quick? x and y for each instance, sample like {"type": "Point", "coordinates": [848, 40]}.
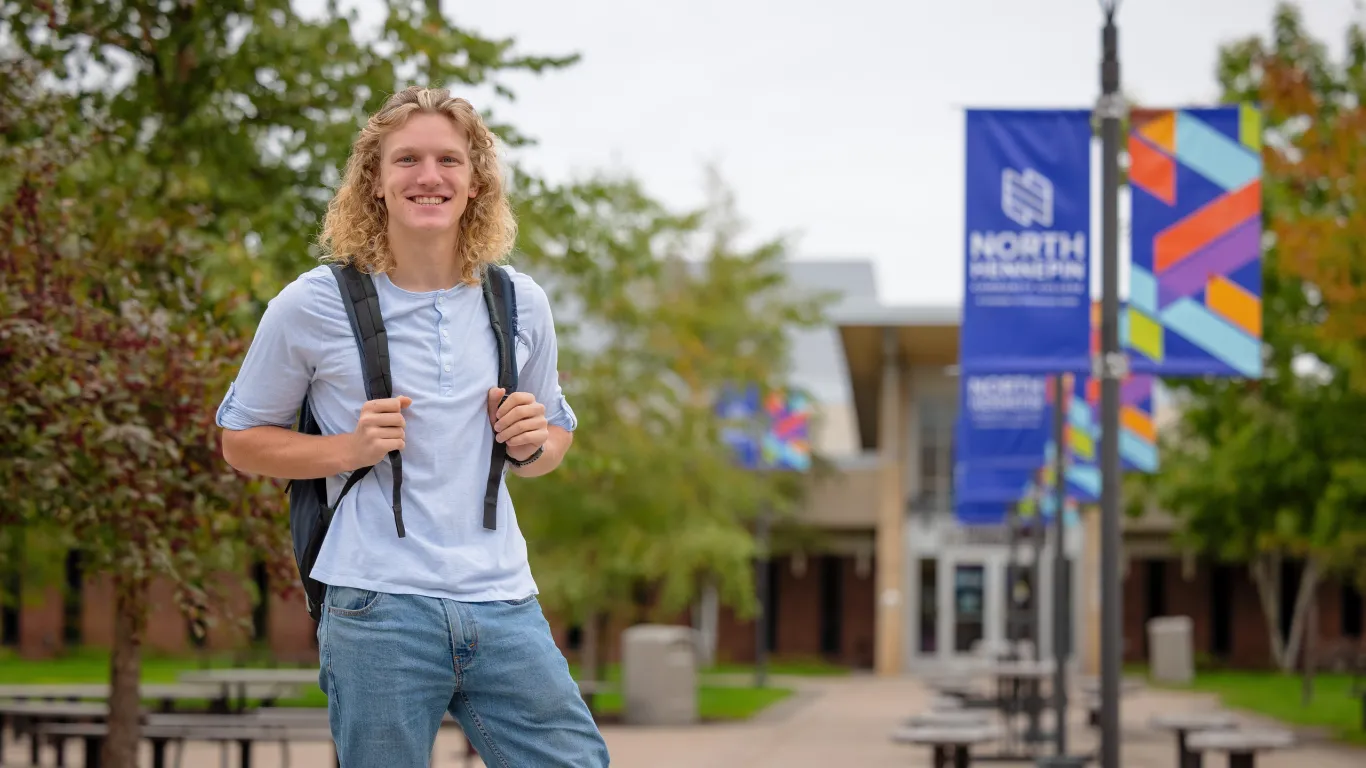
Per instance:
{"type": "Point", "coordinates": [501, 299]}
{"type": "Point", "coordinates": [362, 308]}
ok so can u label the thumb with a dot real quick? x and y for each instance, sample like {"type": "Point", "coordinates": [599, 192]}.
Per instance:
{"type": "Point", "coordinates": [495, 399]}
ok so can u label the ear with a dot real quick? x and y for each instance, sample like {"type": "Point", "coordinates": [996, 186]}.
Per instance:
{"type": "Point", "coordinates": [474, 191]}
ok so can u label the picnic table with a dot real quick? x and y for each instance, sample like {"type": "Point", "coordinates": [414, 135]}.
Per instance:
{"type": "Point", "coordinates": [268, 684]}
{"type": "Point", "coordinates": [1019, 686]}
{"type": "Point", "coordinates": [1241, 745]}
{"type": "Point", "coordinates": [20, 717]}
{"type": "Point", "coordinates": [949, 745]}
{"type": "Point", "coordinates": [948, 719]}
{"type": "Point", "coordinates": [242, 731]}
{"type": "Point", "coordinates": [1184, 724]}
{"type": "Point", "coordinates": [166, 694]}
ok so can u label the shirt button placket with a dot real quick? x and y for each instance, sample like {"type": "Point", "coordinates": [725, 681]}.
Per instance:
{"type": "Point", "coordinates": [444, 343]}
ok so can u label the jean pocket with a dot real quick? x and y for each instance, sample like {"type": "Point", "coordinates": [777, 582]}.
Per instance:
{"type": "Point", "coordinates": [351, 601]}
{"type": "Point", "coordinates": [520, 601]}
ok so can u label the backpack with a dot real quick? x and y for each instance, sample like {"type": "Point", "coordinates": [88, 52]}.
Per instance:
{"type": "Point", "coordinates": [310, 513]}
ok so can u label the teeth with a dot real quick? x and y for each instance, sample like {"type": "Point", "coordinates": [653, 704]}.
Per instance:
{"type": "Point", "coordinates": [429, 200]}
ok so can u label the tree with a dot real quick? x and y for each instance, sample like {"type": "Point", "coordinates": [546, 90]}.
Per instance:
{"type": "Point", "coordinates": [1262, 471]}
{"type": "Point", "coordinates": [243, 111]}
{"type": "Point", "coordinates": [166, 156]}
{"type": "Point", "coordinates": [109, 371]}
{"type": "Point", "coordinates": [657, 312]}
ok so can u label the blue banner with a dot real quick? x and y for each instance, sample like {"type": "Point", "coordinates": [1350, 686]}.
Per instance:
{"type": "Point", "coordinates": [1028, 242]}
{"type": "Point", "coordinates": [999, 441]}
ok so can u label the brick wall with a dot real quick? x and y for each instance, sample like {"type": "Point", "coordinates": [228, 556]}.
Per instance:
{"type": "Point", "coordinates": [291, 634]}
{"type": "Point", "coordinates": [1192, 594]}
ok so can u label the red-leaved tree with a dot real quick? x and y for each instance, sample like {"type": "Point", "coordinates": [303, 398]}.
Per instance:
{"type": "Point", "coordinates": [111, 366]}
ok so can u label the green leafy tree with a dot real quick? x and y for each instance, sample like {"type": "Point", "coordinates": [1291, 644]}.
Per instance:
{"type": "Point", "coordinates": [1262, 471]}
{"type": "Point", "coordinates": [243, 111]}
{"type": "Point", "coordinates": [109, 370]}
{"type": "Point", "coordinates": [666, 312]}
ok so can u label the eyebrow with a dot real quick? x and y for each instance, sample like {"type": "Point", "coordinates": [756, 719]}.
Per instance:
{"type": "Point", "coordinates": [401, 151]}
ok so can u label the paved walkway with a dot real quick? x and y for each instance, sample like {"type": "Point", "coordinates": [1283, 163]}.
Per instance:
{"type": "Point", "coordinates": [833, 723]}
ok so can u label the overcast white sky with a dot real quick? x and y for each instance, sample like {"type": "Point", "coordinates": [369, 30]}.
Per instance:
{"type": "Point", "coordinates": [839, 122]}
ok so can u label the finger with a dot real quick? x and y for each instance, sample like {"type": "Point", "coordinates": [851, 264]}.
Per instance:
{"type": "Point", "coordinates": [495, 397]}
{"type": "Point", "coordinates": [388, 404]}
{"type": "Point", "coordinates": [386, 419]}
{"type": "Point", "coordinates": [390, 433]}
{"type": "Point", "coordinates": [515, 400]}
{"type": "Point", "coordinates": [532, 410]}
{"type": "Point", "coordinates": [534, 437]}
{"type": "Point", "coordinates": [519, 427]}
{"type": "Point", "coordinates": [391, 445]}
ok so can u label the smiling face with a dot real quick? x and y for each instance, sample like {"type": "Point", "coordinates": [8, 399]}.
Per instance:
{"type": "Point", "coordinates": [425, 177]}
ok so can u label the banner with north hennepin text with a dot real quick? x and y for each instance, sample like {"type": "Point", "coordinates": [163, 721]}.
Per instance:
{"type": "Point", "coordinates": [1028, 242]}
{"type": "Point", "coordinates": [1001, 432]}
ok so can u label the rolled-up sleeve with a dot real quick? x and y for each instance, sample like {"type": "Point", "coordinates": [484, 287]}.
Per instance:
{"type": "Point", "coordinates": [540, 375]}
{"type": "Point", "coordinates": [278, 366]}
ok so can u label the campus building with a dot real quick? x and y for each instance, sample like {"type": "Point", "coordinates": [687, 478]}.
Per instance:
{"type": "Point", "coordinates": [890, 582]}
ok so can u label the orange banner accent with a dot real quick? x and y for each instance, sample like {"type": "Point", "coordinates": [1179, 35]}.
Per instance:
{"type": "Point", "coordinates": [1138, 422]}
{"type": "Point", "coordinates": [1231, 302]}
{"type": "Point", "coordinates": [1205, 225]}
{"type": "Point", "coordinates": [1160, 130]}
{"type": "Point", "coordinates": [1152, 170]}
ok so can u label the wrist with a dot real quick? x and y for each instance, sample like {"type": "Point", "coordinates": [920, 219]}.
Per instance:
{"type": "Point", "coordinates": [346, 452]}
{"type": "Point", "coordinates": [525, 454]}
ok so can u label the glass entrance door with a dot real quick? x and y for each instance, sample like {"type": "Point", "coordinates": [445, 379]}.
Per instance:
{"type": "Point", "coordinates": [969, 606]}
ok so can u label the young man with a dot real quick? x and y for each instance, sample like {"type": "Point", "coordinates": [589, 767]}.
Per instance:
{"type": "Point", "coordinates": [446, 617]}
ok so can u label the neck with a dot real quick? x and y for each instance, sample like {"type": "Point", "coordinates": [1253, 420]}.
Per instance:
{"type": "Point", "coordinates": [424, 261]}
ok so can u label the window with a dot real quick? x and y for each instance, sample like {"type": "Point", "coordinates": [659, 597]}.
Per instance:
{"type": "Point", "coordinates": [260, 612]}
{"type": "Point", "coordinates": [929, 605]}
{"type": "Point", "coordinates": [73, 598]}
{"type": "Point", "coordinates": [934, 460]}
{"type": "Point", "coordinates": [1351, 612]}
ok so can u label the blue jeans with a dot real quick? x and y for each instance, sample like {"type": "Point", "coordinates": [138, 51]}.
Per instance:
{"type": "Point", "coordinates": [393, 665]}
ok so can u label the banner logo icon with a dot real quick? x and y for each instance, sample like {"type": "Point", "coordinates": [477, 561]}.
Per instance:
{"type": "Point", "coordinates": [1027, 197]}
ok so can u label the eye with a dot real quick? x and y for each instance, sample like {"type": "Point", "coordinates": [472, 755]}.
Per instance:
{"type": "Point", "coordinates": [406, 159]}
{"type": "Point", "coordinates": [451, 159]}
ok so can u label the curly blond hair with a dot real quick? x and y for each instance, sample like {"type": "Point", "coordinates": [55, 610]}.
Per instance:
{"type": "Point", "coordinates": [356, 227]}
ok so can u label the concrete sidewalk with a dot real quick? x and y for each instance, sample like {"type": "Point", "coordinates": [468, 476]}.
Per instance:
{"type": "Point", "coordinates": [831, 723]}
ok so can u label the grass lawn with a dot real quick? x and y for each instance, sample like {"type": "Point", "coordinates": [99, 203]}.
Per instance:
{"type": "Point", "coordinates": [1278, 696]}
{"type": "Point", "coordinates": [715, 700]}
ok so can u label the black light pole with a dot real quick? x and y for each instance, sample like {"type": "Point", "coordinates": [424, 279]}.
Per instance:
{"type": "Point", "coordinates": [1061, 606]}
{"type": "Point", "coordinates": [1110, 109]}
{"type": "Point", "coordinates": [762, 587]}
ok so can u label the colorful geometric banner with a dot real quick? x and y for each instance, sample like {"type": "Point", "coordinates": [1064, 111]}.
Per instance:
{"type": "Point", "coordinates": [1195, 283]}
{"type": "Point", "coordinates": [769, 431]}
{"type": "Point", "coordinates": [787, 440]}
{"type": "Point", "coordinates": [1027, 242]}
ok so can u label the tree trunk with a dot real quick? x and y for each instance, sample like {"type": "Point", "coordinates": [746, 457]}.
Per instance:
{"type": "Point", "coordinates": [125, 673]}
{"type": "Point", "coordinates": [589, 658]}
{"type": "Point", "coordinates": [1299, 622]}
{"type": "Point", "coordinates": [1266, 575]}
{"type": "Point", "coordinates": [1309, 662]}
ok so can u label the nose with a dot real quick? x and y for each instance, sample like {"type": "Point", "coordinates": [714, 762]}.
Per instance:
{"type": "Point", "coordinates": [428, 175]}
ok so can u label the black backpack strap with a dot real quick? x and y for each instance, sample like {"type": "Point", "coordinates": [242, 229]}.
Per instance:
{"type": "Point", "coordinates": [362, 309]}
{"type": "Point", "coordinates": [501, 299]}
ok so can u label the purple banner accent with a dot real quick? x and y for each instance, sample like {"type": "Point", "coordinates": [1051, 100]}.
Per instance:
{"type": "Point", "coordinates": [1135, 389]}
{"type": "Point", "coordinates": [1240, 246]}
